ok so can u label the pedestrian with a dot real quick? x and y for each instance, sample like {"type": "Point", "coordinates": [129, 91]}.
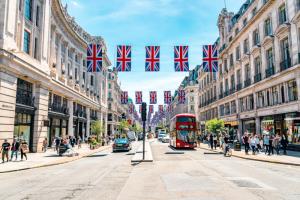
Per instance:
{"type": "Point", "coordinates": [79, 142]}
{"type": "Point", "coordinates": [221, 140]}
{"type": "Point", "coordinates": [284, 143]}
{"type": "Point", "coordinates": [276, 143]}
{"type": "Point", "coordinates": [215, 138]}
{"type": "Point", "coordinates": [271, 149]}
{"type": "Point", "coordinates": [266, 143]}
{"type": "Point", "coordinates": [258, 149]}
{"type": "Point", "coordinates": [253, 144]}
{"type": "Point", "coordinates": [5, 150]}
{"type": "Point", "coordinates": [246, 143]}
{"type": "Point", "coordinates": [45, 143]}
{"type": "Point", "coordinates": [24, 149]}
{"type": "Point", "coordinates": [211, 141]}
{"type": "Point", "coordinates": [198, 140]}
{"type": "Point", "coordinates": [14, 149]}
{"type": "Point", "coordinates": [57, 143]}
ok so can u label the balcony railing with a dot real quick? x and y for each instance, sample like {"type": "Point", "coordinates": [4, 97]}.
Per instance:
{"type": "Point", "coordinates": [269, 72]}
{"type": "Point", "coordinates": [257, 77]}
{"type": "Point", "coordinates": [27, 100]}
{"type": "Point", "coordinates": [232, 90]}
{"type": "Point", "coordinates": [59, 109]}
{"type": "Point", "coordinates": [247, 82]}
{"type": "Point", "coordinates": [239, 86]}
{"type": "Point", "coordinates": [285, 64]}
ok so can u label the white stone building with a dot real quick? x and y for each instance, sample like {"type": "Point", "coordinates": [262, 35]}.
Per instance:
{"type": "Point", "coordinates": [116, 110]}
{"type": "Point", "coordinates": [45, 90]}
{"type": "Point", "coordinates": [257, 87]}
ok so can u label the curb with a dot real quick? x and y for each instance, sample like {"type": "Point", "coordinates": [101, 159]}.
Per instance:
{"type": "Point", "coordinates": [57, 163]}
{"type": "Point", "coordinates": [261, 160]}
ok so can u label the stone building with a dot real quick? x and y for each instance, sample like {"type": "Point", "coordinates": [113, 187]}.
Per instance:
{"type": "Point", "coordinates": [257, 87]}
{"type": "Point", "coordinates": [116, 111]}
{"type": "Point", "coordinates": [45, 90]}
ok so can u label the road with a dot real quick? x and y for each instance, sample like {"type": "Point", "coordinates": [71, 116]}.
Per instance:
{"type": "Point", "coordinates": [176, 175]}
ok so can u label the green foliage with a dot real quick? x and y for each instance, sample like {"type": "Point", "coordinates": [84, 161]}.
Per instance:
{"type": "Point", "coordinates": [97, 129]}
{"type": "Point", "coordinates": [215, 125]}
{"type": "Point", "coordinates": [123, 125]}
{"type": "Point", "coordinates": [136, 128]}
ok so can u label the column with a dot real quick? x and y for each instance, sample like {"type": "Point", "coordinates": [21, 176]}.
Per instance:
{"type": "Point", "coordinates": [58, 57]}
{"type": "Point", "coordinates": [39, 130]}
{"type": "Point", "coordinates": [88, 122]}
{"type": "Point", "coordinates": [105, 124]}
{"type": "Point", "coordinates": [276, 54]}
{"type": "Point", "coordinates": [298, 83]}
{"type": "Point", "coordinates": [66, 60]}
{"type": "Point", "coordinates": [293, 41]}
{"type": "Point", "coordinates": [70, 123]}
{"type": "Point", "coordinates": [8, 88]}
{"type": "Point", "coordinates": [52, 50]}
{"type": "Point", "coordinates": [257, 123]}
{"type": "Point", "coordinates": [286, 93]}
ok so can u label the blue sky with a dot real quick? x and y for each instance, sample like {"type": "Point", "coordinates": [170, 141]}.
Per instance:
{"type": "Point", "coordinates": [152, 22]}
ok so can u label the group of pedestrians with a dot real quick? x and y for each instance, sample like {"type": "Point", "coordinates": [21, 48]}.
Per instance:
{"type": "Point", "coordinates": [265, 143]}
{"type": "Point", "coordinates": [68, 142]}
{"type": "Point", "coordinates": [12, 149]}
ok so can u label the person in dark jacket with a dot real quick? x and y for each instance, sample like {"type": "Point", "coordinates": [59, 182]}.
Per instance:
{"type": "Point", "coordinates": [5, 150]}
{"type": "Point", "coordinates": [246, 142]}
{"type": "Point", "coordinates": [211, 141]}
{"type": "Point", "coordinates": [14, 149]}
{"type": "Point", "coordinates": [284, 143]}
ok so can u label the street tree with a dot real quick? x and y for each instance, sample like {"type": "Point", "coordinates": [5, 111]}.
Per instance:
{"type": "Point", "coordinates": [215, 125]}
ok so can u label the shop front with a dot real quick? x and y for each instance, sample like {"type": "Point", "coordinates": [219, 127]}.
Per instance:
{"type": "Point", "coordinates": [249, 126]}
{"type": "Point", "coordinates": [272, 125]}
{"type": "Point", "coordinates": [292, 127]}
{"type": "Point", "coordinates": [24, 114]}
{"type": "Point", "coordinates": [232, 127]}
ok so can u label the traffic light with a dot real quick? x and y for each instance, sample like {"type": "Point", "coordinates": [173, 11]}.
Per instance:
{"type": "Point", "coordinates": [144, 111]}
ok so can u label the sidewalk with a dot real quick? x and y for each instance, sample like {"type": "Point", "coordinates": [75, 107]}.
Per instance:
{"type": "Point", "coordinates": [37, 160]}
{"type": "Point", "coordinates": [293, 158]}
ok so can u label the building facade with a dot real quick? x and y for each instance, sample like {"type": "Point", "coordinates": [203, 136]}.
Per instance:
{"type": "Point", "coordinates": [45, 90]}
{"type": "Point", "coordinates": [257, 87]}
{"type": "Point", "coordinates": [116, 110]}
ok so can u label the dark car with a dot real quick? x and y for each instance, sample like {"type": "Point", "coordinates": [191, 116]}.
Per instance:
{"type": "Point", "coordinates": [121, 144]}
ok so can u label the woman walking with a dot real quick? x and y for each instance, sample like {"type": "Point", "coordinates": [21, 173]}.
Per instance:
{"type": "Point", "coordinates": [253, 144]}
{"type": "Point", "coordinates": [24, 149]}
{"type": "Point", "coordinates": [276, 144]}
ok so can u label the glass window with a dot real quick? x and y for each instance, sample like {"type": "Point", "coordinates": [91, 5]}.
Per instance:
{"type": "Point", "coordinates": [238, 76]}
{"type": "Point", "coordinates": [268, 27]}
{"type": "Point", "coordinates": [37, 17]}
{"type": "Point", "coordinates": [256, 39]}
{"type": "Point", "coordinates": [28, 9]}
{"type": "Point", "coordinates": [237, 53]}
{"type": "Point", "coordinates": [285, 50]}
{"type": "Point", "coordinates": [186, 119]}
{"type": "Point", "coordinates": [282, 15]}
{"type": "Point", "coordinates": [247, 72]}
{"type": "Point", "coordinates": [26, 45]}
{"type": "Point", "coordinates": [292, 91]}
{"type": "Point", "coordinates": [246, 46]}
{"type": "Point", "coordinates": [257, 65]}
{"type": "Point", "coordinates": [269, 58]}
{"type": "Point", "coordinates": [92, 80]}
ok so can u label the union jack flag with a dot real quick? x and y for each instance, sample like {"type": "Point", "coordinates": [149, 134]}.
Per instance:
{"type": "Point", "coordinates": [124, 97]}
{"type": "Point", "coordinates": [161, 108]}
{"type": "Point", "coordinates": [181, 96]}
{"type": "Point", "coordinates": [152, 58]}
{"type": "Point", "coordinates": [138, 97]}
{"type": "Point", "coordinates": [167, 97]}
{"type": "Point", "coordinates": [94, 58]}
{"type": "Point", "coordinates": [210, 58]}
{"type": "Point", "coordinates": [153, 97]}
{"type": "Point", "coordinates": [123, 58]}
{"type": "Point", "coordinates": [151, 108]}
{"type": "Point", "coordinates": [181, 58]}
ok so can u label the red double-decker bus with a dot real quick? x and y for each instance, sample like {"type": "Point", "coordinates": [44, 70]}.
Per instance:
{"type": "Point", "coordinates": [183, 130]}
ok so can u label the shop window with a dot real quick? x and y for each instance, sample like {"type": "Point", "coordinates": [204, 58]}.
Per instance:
{"type": "Point", "coordinates": [292, 91]}
{"type": "Point", "coordinates": [26, 42]}
{"type": "Point", "coordinates": [28, 10]}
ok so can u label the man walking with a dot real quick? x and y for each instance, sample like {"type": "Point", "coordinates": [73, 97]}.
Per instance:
{"type": "Point", "coordinates": [5, 149]}
{"type": "Point", "coordinates": [246, 142]}
{"type": "Point", "coordinates": [211, 141]}
{"type": "Point", "coordinates": [14, 149]}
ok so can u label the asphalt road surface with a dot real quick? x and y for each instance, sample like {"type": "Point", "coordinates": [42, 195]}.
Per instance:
{"type": "Point", "coordinates": [176, 175]}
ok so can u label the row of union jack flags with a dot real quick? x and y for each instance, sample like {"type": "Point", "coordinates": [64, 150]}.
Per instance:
{"type": "Point", "coordinates": [153, 97]}
{"type": "Point", "coordinates": [152, 60]}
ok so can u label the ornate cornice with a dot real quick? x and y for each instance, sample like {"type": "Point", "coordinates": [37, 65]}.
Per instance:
{"type": "Point", "coordinates": [76, 29]}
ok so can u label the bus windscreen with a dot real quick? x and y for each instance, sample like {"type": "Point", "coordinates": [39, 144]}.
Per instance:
{"type": "Point", "coordinates": [186, 119]}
